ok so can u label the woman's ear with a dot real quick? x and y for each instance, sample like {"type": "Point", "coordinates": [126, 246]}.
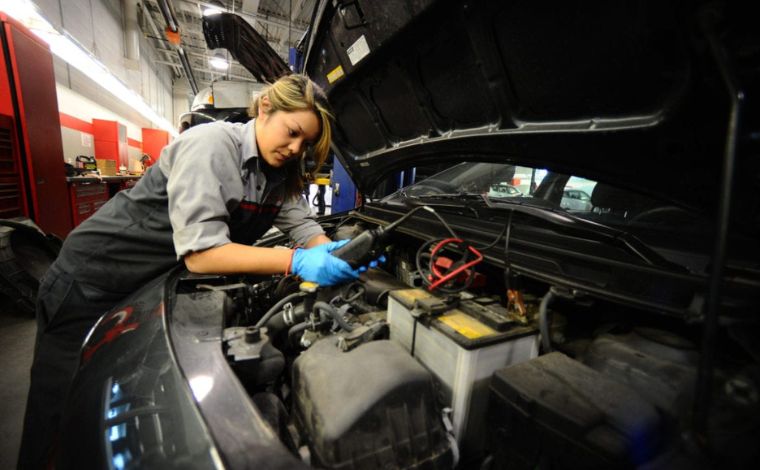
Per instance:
{"type": "Point", "coordinates": [264, 107]}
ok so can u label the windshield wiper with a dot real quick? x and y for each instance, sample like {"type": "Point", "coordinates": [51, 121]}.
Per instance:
{"type": "Point", "coordinates": [560, 217]}
{"type": "Point", "coordinates": [450, 197]}
{"type": "Point", "coordinates": [552, 214]}
{"type": "Point", "coordinates": [451, 200]}
{"type": "Point", "coordinates": [456, 195]}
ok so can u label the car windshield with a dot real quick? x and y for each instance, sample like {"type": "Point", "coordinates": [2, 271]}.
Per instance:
{"type": "Point", "coordinates": [505, 183]}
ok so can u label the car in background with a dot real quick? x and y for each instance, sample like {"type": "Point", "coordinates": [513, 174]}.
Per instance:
{"type": "Point", "coordinates": [503, 190]}
{"type": "Point", "coordinates": [576, 200]}
{"type": "Point", "coordinates": [501, 332]}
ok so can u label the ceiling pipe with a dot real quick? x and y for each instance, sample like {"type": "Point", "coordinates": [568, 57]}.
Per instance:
{"type": "Point", "coordinates": [172, 25]}
{"type": "Point", "coordinates": [167, 9]}
{"type": "Point", "coordinates": [157, 35]}
{"type": "Point", "coordinates": [188, 70]}
{"type": "Point", "coordinates": [131, 30]}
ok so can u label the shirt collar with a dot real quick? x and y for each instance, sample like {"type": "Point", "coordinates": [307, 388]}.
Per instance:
{"type": "Point", "coordinates": [249, 149]}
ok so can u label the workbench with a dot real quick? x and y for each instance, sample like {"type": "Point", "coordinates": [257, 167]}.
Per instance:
{"type": "Point", "coordinates": [88, 193]}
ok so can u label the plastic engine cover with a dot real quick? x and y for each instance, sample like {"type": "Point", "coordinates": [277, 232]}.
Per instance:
{"type": "Point", "coordinates": [660, 366]}
{"type": "Point", "coordinates": [559, 411]}
{"type": "Point", "coordinates": [371, 407]}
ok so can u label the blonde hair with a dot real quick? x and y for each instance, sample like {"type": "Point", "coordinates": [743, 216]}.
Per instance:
{"type": "Point", "coordinates": [297, 92]}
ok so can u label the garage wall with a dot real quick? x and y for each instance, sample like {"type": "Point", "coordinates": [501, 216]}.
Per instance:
{"type": "Point", "coordinates": [97, 25]}
{"type": "Point", "coordinates": [77, 113]}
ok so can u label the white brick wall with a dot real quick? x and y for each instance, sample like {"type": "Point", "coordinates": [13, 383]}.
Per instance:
{"type": "Point", "coordinates": [98, 27]}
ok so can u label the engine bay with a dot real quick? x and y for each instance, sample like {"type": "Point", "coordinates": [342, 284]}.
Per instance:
{"type": "Point", "coordinates": [488, 369]}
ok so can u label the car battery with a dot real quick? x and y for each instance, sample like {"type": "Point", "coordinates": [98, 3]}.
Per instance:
{"type": "Point", "coordinates": [462, 349]}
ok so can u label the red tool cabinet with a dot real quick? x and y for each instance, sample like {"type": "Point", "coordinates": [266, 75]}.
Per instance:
{"type": "Point", "coordinates": [12, 202]}
{"type": "Point", "coordinates": [86, 198]}
{"type": "Point", "coordinates": [32, 178]}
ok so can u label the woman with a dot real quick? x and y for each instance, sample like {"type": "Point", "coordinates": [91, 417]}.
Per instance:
{"type": "Point", "coordinates": [215, 190]}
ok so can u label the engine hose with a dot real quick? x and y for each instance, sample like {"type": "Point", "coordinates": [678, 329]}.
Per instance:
{"type": "Point", "coordinates": [543, 321]}
{"type": "Point", "coordinates": [277, 322]}
{"type": "Point", "coordinates": [276, 308]}
{"type": "Point", "coordinates": [301, 327]}
{"type": "Point", "coordinates": [334, 314]}
{"type": "Point", "coordinates": [295, 329]}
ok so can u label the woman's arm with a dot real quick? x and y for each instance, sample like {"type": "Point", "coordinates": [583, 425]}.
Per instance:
{"type": "Point", "coordinates": [317, 240]}
{"type": "Point", "coordinates": [234, 258]}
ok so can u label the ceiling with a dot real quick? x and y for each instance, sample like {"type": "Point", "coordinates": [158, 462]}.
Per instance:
{"type": "Point", "coordinates": [280, 22]}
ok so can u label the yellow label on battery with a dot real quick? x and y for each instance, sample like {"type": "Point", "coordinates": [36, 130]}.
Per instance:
{"type": "Point", "coordinates": [465, 325]}
{"type": "Point", "coordinates": [335, 74]}
{"type": "Point", "coordinates": [410, 295]}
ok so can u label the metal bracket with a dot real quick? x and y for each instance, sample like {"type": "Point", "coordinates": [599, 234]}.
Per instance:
{"type": "Point", "coordinates": [343, 10]}
{"type": "Point", "coordinates": [245, 343]}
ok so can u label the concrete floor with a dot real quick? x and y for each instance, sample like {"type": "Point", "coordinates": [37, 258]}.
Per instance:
{"type": "Point", "coordinates": [17, 332]}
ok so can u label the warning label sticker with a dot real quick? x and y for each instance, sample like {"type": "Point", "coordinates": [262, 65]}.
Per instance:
{"type": "Point", "coordinates": [358, 50]}
{"type": "Point", "coordinates": [335, 74]}
{"type": "Point", "coordinates": [466, 326]}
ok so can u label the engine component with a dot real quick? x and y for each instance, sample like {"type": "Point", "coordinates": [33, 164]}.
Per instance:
{"type": "Point", "coordinates": [254, 359]}
{"type": "Point", "coordinates": [659, 365]}
{"type": "Point", "coordinates": [564, 414]}
{"type": "Point", "coordinates": [377, 284]}
{"type": "Point", "coordinates": [371, 407]}
{"type": "Point", "coordinates": [462, 352]}
{"type": "Point", "coordinates": [369, 244]}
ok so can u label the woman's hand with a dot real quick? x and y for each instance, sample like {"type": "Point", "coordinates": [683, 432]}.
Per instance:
{"type": "Point", "coordinates": [318, 265]}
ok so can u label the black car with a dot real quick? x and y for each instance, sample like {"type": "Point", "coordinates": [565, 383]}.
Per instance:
{"type": "Point", "coordinates": [501, 332]}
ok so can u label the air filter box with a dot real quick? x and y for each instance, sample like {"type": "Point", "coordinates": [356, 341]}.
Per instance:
{"type": "Point", "coordinates": [559, 412]}
{"type": "Point", "coordinates": [370, 407]}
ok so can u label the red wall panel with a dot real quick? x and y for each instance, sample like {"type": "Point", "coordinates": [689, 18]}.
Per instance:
{"type": "Point", "coordinates": [154, 140]}
{"type": "Point", "coordinates": [74, 123]}
{"type": "Point", "coordinates": [111, 141]}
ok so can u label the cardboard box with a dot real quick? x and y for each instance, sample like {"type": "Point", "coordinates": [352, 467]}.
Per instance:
{"type": "Point", "coordinates": [107, 167]}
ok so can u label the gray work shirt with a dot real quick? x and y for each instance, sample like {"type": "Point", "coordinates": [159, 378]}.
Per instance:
{"type": "Point", "coordinates": [209, 188]}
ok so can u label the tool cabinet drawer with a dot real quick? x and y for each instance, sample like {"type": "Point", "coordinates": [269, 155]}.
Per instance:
{"type": "Point", "coordinates": [86, 199]}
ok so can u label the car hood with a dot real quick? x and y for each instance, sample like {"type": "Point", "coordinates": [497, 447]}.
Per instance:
{"type": "Point", "coordinates": [231, 32]}
{"type": "Point", "coordinates": [639, 94]}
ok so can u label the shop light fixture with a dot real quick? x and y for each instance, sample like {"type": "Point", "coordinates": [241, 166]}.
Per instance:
{"type": "Point", "coordinates": [213, 8]}
{"type": "Point", "coordinates": [65, 47]}
{"type": "Point", "coordinates": [209, 11]}
{"type": "Point", "coordinates": [218, 61]}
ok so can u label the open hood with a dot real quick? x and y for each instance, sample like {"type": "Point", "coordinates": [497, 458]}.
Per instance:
{"type": "Point", "coordinates": [636, 93]}
{"type": "Point", "coordinates": [231, 32]}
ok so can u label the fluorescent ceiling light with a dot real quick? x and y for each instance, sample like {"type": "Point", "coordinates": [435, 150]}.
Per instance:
{"type": "Point", "coordinates": [219, 62]}
{"type": "Point", "coordinates": [214, 7]}
{"type": "Point", "coordinates": [209, 11]}
{"type": "Point", "coordinates": [25, 12]}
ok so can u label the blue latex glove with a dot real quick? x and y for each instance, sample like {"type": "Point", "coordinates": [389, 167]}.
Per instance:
{"type": "Point", "coordinates": [318, 265]}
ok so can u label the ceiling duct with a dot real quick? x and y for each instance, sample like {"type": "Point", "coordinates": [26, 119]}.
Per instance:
{"type": "Point", "coordinates": [132, 31]}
